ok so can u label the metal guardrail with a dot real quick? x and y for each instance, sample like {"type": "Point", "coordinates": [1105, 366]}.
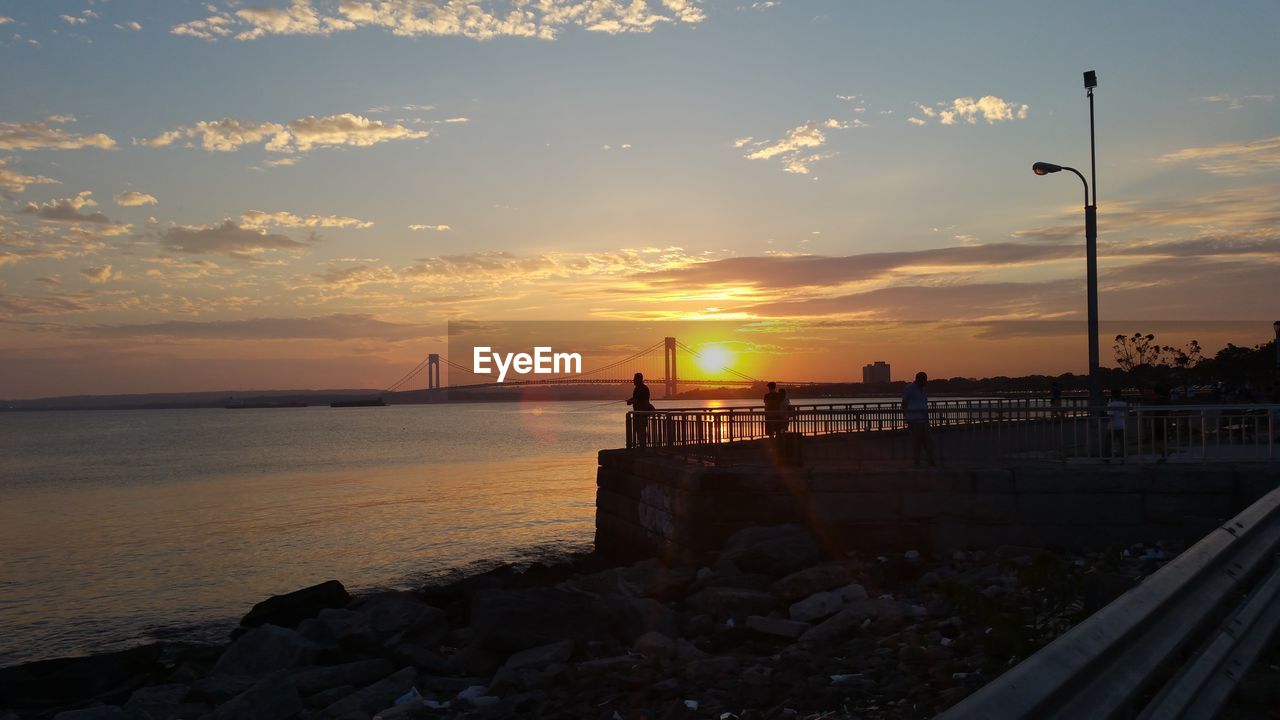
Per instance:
{"type": "Point", "coordinates": [1162, 650]}
{"type": "Point", "coordinates": [1136, 433]}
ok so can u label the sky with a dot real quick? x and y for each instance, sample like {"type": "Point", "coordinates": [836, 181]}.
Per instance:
{"type": "Point", "coordinates": [273, 194]}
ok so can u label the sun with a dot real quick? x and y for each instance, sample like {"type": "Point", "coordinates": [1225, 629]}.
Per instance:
{"type": "Point", "coordinates": [713, 359]}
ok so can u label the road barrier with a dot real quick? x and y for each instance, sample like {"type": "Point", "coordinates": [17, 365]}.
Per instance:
{"type": "Point", "coordinates": [1174, 647]}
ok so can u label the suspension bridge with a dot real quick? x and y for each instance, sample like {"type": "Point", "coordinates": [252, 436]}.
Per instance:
{"type": "Point", "coordinates": [660, 364]}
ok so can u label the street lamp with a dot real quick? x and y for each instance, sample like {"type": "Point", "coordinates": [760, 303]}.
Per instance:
{"type": "Point", "coordinates": [1091, 243]}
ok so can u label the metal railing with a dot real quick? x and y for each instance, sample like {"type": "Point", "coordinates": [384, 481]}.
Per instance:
{"type": "Point", "coordinates": [993, 428]}
{"type": "Point", "coordinates": [1175, 646]}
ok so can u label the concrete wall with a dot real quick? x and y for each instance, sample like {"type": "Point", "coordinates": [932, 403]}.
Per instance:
{"type": "Point", "coordinates": [649, 504]}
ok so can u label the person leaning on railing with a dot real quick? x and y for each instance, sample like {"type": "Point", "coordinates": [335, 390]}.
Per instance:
{"type": "Point", "coordinates": [915, 411]}
{"type": "Point", "coordinates": [641, 407]}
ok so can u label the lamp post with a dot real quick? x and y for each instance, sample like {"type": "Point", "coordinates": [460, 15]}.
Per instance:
{"type": "Point", "coordinates": [1091, 243]}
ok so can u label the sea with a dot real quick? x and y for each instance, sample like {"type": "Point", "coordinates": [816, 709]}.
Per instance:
{"type": "Point", "coordinates": [122, 527]}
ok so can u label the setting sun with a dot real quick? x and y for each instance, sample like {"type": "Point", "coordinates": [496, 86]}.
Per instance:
{"type": "Point", "coordinates": [713, 359]}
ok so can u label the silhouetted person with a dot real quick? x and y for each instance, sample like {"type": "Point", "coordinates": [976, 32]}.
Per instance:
{"type": "Point", "coordinates": [639, 402]}
{"type": "Point", "coordinates": [772, 403]}
{"type": "Point", "coordinates": [784, 411]}
{"type": "Point", "coordinates": [1118, 409]}
{"type": "Point", "coordinates": [915, 411]}
{"type": "Point", "coordinates": [1055, 399]}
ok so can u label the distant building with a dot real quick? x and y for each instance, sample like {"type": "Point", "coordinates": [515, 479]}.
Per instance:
{"type": "Point", "coordinates": [876, 373]}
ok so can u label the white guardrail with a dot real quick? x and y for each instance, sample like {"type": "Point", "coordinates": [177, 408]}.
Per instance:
{"type": "Point", "coordinates": [1135, 433]}
{"type": "Point", "coordinates": [1172, 648]}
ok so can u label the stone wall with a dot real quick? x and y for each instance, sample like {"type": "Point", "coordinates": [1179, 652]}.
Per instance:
{"type": "Point", "coordinates": [648, 503]}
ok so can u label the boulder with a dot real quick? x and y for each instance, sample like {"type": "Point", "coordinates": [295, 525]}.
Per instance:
{"type": "Point", "coordinates": [804, 583]}
{"type": "Point", "coordinates": [263, 650]}
{"type": "Point", "coordinates": [708, 670]}
{"type": "Point", "coordinates": [98, 712]}
{"type": "Point", "coordinates": [778, 626]}
{"type": "Point", "coordinates": [271, 698]}
{"type": "Point", "coordinates": [325, 698]}
{"type": "Point", "coordinates": [164, 702]}
{"type": "Point", "coordinates": [476, 659]}
{"type": "Point", "coordinates": [312, 680]}
{"type": "Point", "coordinates": [652, 579]}
{"type": "Point", "coordinates": [423, 658]}
{"type": "Point", "coordinates": [404, 614]}
{"type": "Point", "coordinates": [774, 550]}
{"type": "Point", "coordinates": [643, 615]}
{"type": "Point", "coordinates": [292, 608]}
{"type": "Point", "coordinates": [724, 602]}
{"type": "Point", "coordinates": [106, 677]}
{"type": "Point", "coordinates": [513, 620]}
{"type": "Point", "coordinates": [655, 645]}
{"type": "Point", "coordinates": [833, 628]}
{"type": "Point", "coordinates": [816, 606]}
{"type": "Point", "coordinates": [539, 657]}
{"type": "Point", "coordinates": [362, 704]}
{"type": "Point", "coordinates": [217, 689]}
{"type": "Point", "coordinates": [335, 626]}
{"type": "Point", "coordinates": [852, 593]}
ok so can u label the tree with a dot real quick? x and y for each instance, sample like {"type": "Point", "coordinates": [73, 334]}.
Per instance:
{"type": "Point", "coordinates": [1136, 351]}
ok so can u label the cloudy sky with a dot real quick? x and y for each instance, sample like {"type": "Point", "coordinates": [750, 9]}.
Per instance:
{"type": "Point", "coordinates": [274, 194]}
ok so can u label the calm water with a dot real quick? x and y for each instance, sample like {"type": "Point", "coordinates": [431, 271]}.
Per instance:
{"type": "Point", "coordinates": [119, 527]}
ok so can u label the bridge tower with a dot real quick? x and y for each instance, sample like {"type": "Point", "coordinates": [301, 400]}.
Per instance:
{"type": "Point", "coordinates": [669, 362]}
{"type": "Point", "coordinates": [433, 371]}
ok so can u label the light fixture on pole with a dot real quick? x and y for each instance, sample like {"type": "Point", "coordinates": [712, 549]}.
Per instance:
{"type": "Point", "coordinates": [1091, 244]}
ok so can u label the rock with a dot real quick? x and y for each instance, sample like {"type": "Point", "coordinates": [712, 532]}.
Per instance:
{"type": "Point", "coordinates": [736, 579]}
{"type": "Point", "coordinates": [777, 626]}
{"type": "Point", "coordinates": [652, 579]}
{"type": "Point", "coordinates": [513, 620]}
{"type": "Point", "coordinates": [335, 627]}
{"type": "Point", "coordinates": [164, 702]}
{"type": "Point", "coordinates": [476, 659]}
{"type": "Point", "coordinates": [292, 608]}
{"type": "Point", "coordinates": [833, 628]}
{"type": "Point", "coordinates": [363, 703]}
{"type": "Point", "coordinates": [325, 698]}
{"type": "Point", "coordinates": [708, 670]}
{"type": "Point", "coordinates": [698, 625]}
{"type": "Point", "coordinates": [542, 656]}
{"type": "Point", "coordinates": [881, 610]}
{"type": "Point", "coordinates": [816, 606]}
{"type": "Point", "coordinates": [852, 593]}
{"type": "Point", "coordinates": [600, 666]}
{"type": "Point", "coordinates": [425, 659]}
{"type": "Point", "coordinates": [77, 681]}
{"type": "Point", "coordinates": [405, 711]}
{"type": "Point", "coordinates": [100, 712]}
{"type": "Point", "coordinates": [404, 614]}
{"type": "Point", "coordinates": [476, 695]}
{"type": "Point", "coordinates": [776, 550]}
{"type": "Point", "coordinates": [686, 650]}
{"type": "Point", "coordinates": [449, 686]}
{"type": "Point", "coordinates": [757, 676]}
{"type": "Point", "coordinates": [643, 615]}
{"type": "Point", "coordinates": [804, 583]}
{"type": "Point", "coordinates": [263, 650]}
{"type": "Point", "coordinates": [312, 680]}
{"type": "Point", "coordinates": [913, 557]}
{"type": "Point", "coordinates": [655, 645]}
{"type": "Point", "coordinates": [725, 602]}
{"type": "Point", "coordinates": [217, 689]}
{"type": "Point", "coordinates": [271, 698]}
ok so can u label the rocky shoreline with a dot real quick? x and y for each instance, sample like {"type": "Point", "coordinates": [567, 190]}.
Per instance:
{"type": "Point", "coordinates": [769, 627]}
